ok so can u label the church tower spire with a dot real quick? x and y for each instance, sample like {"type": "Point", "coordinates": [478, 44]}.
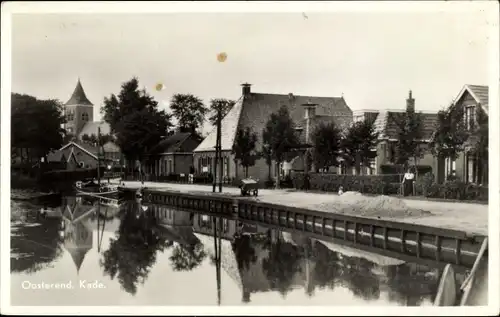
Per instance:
{"type": "Point", "coordinates": [79, 97]}
{"type": "Point", "coordinates": [78, 110]}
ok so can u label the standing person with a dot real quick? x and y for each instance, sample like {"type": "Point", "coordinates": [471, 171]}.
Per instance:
{"type": "Point", "coordinates": [408, 180]}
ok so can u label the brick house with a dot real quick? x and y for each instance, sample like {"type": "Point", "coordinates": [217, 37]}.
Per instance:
{"type": "Point", "coordinates": [173, 155]}
{"type": "Point", "coordinates": [466, 167]}
{"type": "Point", "coordinates": [253, 110]}
{"type": "Point", "coordinates": [388, 136]}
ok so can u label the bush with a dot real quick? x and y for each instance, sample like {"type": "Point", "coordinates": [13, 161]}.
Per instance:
{"type": "Point", "coordinates": [389, 185]}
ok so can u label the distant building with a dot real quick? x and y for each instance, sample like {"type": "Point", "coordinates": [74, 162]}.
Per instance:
{"type": "Point", "coordinates": [254, 110]}
{"type": "Point", "coordinates": [388, 136]}
{"type": "Point", "coordinates": [173, 155]}
{"type": "Point", "coordinates": [77, 154]}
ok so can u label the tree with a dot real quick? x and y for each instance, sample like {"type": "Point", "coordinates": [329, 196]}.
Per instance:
{"type": "Point", "coordinates": [358, 143]}
{"type": "Point", "coordinates": [244, 148]}
{"type": "Point", "coordinates": [410, 135]}
{"type": "Point", "coordinates": [450, 134]}
{"type": "Point", "coordinates": [36, 126]}
{"type": "Point", "coordinates": [135, 120]}
{"type": "Point", "coordinates": [189, 111]}
{"type": "Point", "coordinates": [326, 145]}
{"type": "Point", "coordinates": [224, 105]}
{"type": "Point", "coordinates": [279, 135]}
{"type": "Point", "coordinates": [479, 143]}
{"type": "Point", "coordinates": [266, 154]}
{"type": "Point", "coordinates": [92, 139]}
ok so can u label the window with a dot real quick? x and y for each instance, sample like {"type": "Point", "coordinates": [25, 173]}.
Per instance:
{"type": "Point", "coordinates": [470, 117]}
{"type": "Point", "coordinates": [170, 167]}
{"type": "Point", "coordinates": [226, 166]}
{"type": "Point", "coordinates": [70, 116]}
{"type": "Point", "coordinates": [449, 167]}
{"type": "Point", "coordinates": [85, 116]}
{"type": "Point", "coordinates": [470, 168]}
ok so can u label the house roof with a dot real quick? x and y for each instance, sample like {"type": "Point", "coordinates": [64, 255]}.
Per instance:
{"type": "Point", "coordinates": [254, 109]}
{"type": "Point", "coordinates": [91, 128]}
{"type": "Point", "coordinates": [89, 149]}
{"type": "Point", "coordinates": [78, 97]}
{"type": "Point", "coordinates": [388, 129]}
{"type": "Point", "coordinates": [56, 156]}
{"type": "Point", "coordinates": [478, 92]}
{"type": "Point", "coordinates": [173, 143]}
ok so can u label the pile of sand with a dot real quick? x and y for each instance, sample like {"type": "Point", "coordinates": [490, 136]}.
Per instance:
{"type": "Point", "coordinates": [356, 204]}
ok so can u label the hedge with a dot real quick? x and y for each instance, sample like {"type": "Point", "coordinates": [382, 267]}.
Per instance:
{"type": "Point", "coordinates": [388, 185]}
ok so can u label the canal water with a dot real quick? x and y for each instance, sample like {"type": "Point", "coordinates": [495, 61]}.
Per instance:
{"type": "Point", "coordinates": [86, 252]}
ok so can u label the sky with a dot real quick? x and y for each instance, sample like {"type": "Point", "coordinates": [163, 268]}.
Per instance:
{"type": "Point", "coordinates": [372, 59]}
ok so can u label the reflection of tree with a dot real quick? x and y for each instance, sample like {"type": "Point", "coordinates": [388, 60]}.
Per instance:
{"type": "Point", "coordinates": [186, 259]}
{"type": "Point", "coordinates": [360, 279]}
{"type": "Point", "coordinates": [282, 265]}
{"type": "Point", "coordinates": [131, 255]}
{"type": "Point", "coordinates": [327, 268]}
{"type": "Point", "coordinates": [35, 247]}
{"type": "Point", "coordinates": [409, 288]}
{"type": "Point", "coordinates": [244, 251]}
{"type": "Point", "coordinates": [245, 255]}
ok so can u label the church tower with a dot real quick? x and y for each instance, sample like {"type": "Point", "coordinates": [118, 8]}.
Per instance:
{"type": "Point", "coordinates": [78, 110]}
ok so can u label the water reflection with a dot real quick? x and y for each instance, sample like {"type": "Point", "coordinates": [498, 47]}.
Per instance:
{"type": "Point", "coordinates": [244, 263]}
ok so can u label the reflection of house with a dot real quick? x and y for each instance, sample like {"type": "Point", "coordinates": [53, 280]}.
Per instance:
{"type": "Point", "coordinates": [169, 216]}
{"type": "Point", "coordinates": [253, 110]}
{"type": "Point", "coordinates": [204, 224]}
{"type": "Point", "coordinates": [78, 238]}
{"type": "Point", "coordinates": [386, 127]}
{"type": "Point", "coordinates": [245, 266]}
{"type": "Point", "coordinates": [173, 155]}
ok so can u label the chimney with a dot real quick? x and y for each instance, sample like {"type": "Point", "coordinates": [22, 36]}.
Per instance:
{"type": "Point", "coordinates": [291, 97]}
{"type": "Point", "coordinates": [245, 90]}
{"type": "Point", "coordinates": [410, 103]}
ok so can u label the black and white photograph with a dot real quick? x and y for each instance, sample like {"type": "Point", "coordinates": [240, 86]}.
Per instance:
{"type": "Point", "coordinates": [323, 158]}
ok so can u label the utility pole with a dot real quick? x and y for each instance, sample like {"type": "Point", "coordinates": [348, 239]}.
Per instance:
{"type": "Point", "coordinates": [99, 157]}
{"type": "Point", "coordinates": [218, 155]}
{"type": "Point", "coordinates": [219, 146]}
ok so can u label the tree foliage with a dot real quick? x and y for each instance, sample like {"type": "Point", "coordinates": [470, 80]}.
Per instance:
{"type": "Point", "coordinates": [132, 254]}
{"type": "Point", "coordinates": [189, 111]}
{"type": "Point", "coordinates": [410, 136]}
{"type": "Point", "coordinates": [479, 144]}
{"type": "Point", "coordinates": [92, 139]}
{"type": "Point", "coordinates": [326, 141]}
{"type": "Point", "coordinates": [224, 105]}
{"type": "Point", "coordinates": [36, 126]}
{"type": "Point", "coordinates": [244, 148]}
{"type": "Point", "coordinates": [357, 144]}
{"type": "Point", "coordinates": [450, 133]}
{"type": "Point", "coordinates": [279, 136]}
{"type": "Point", "coordinates": [135, 120]}
{"type": "Point", "coordinates": [187, 258]}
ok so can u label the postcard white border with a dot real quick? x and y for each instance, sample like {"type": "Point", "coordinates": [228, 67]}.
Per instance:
{"type": "Point", "coordinates": [9, 8]}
